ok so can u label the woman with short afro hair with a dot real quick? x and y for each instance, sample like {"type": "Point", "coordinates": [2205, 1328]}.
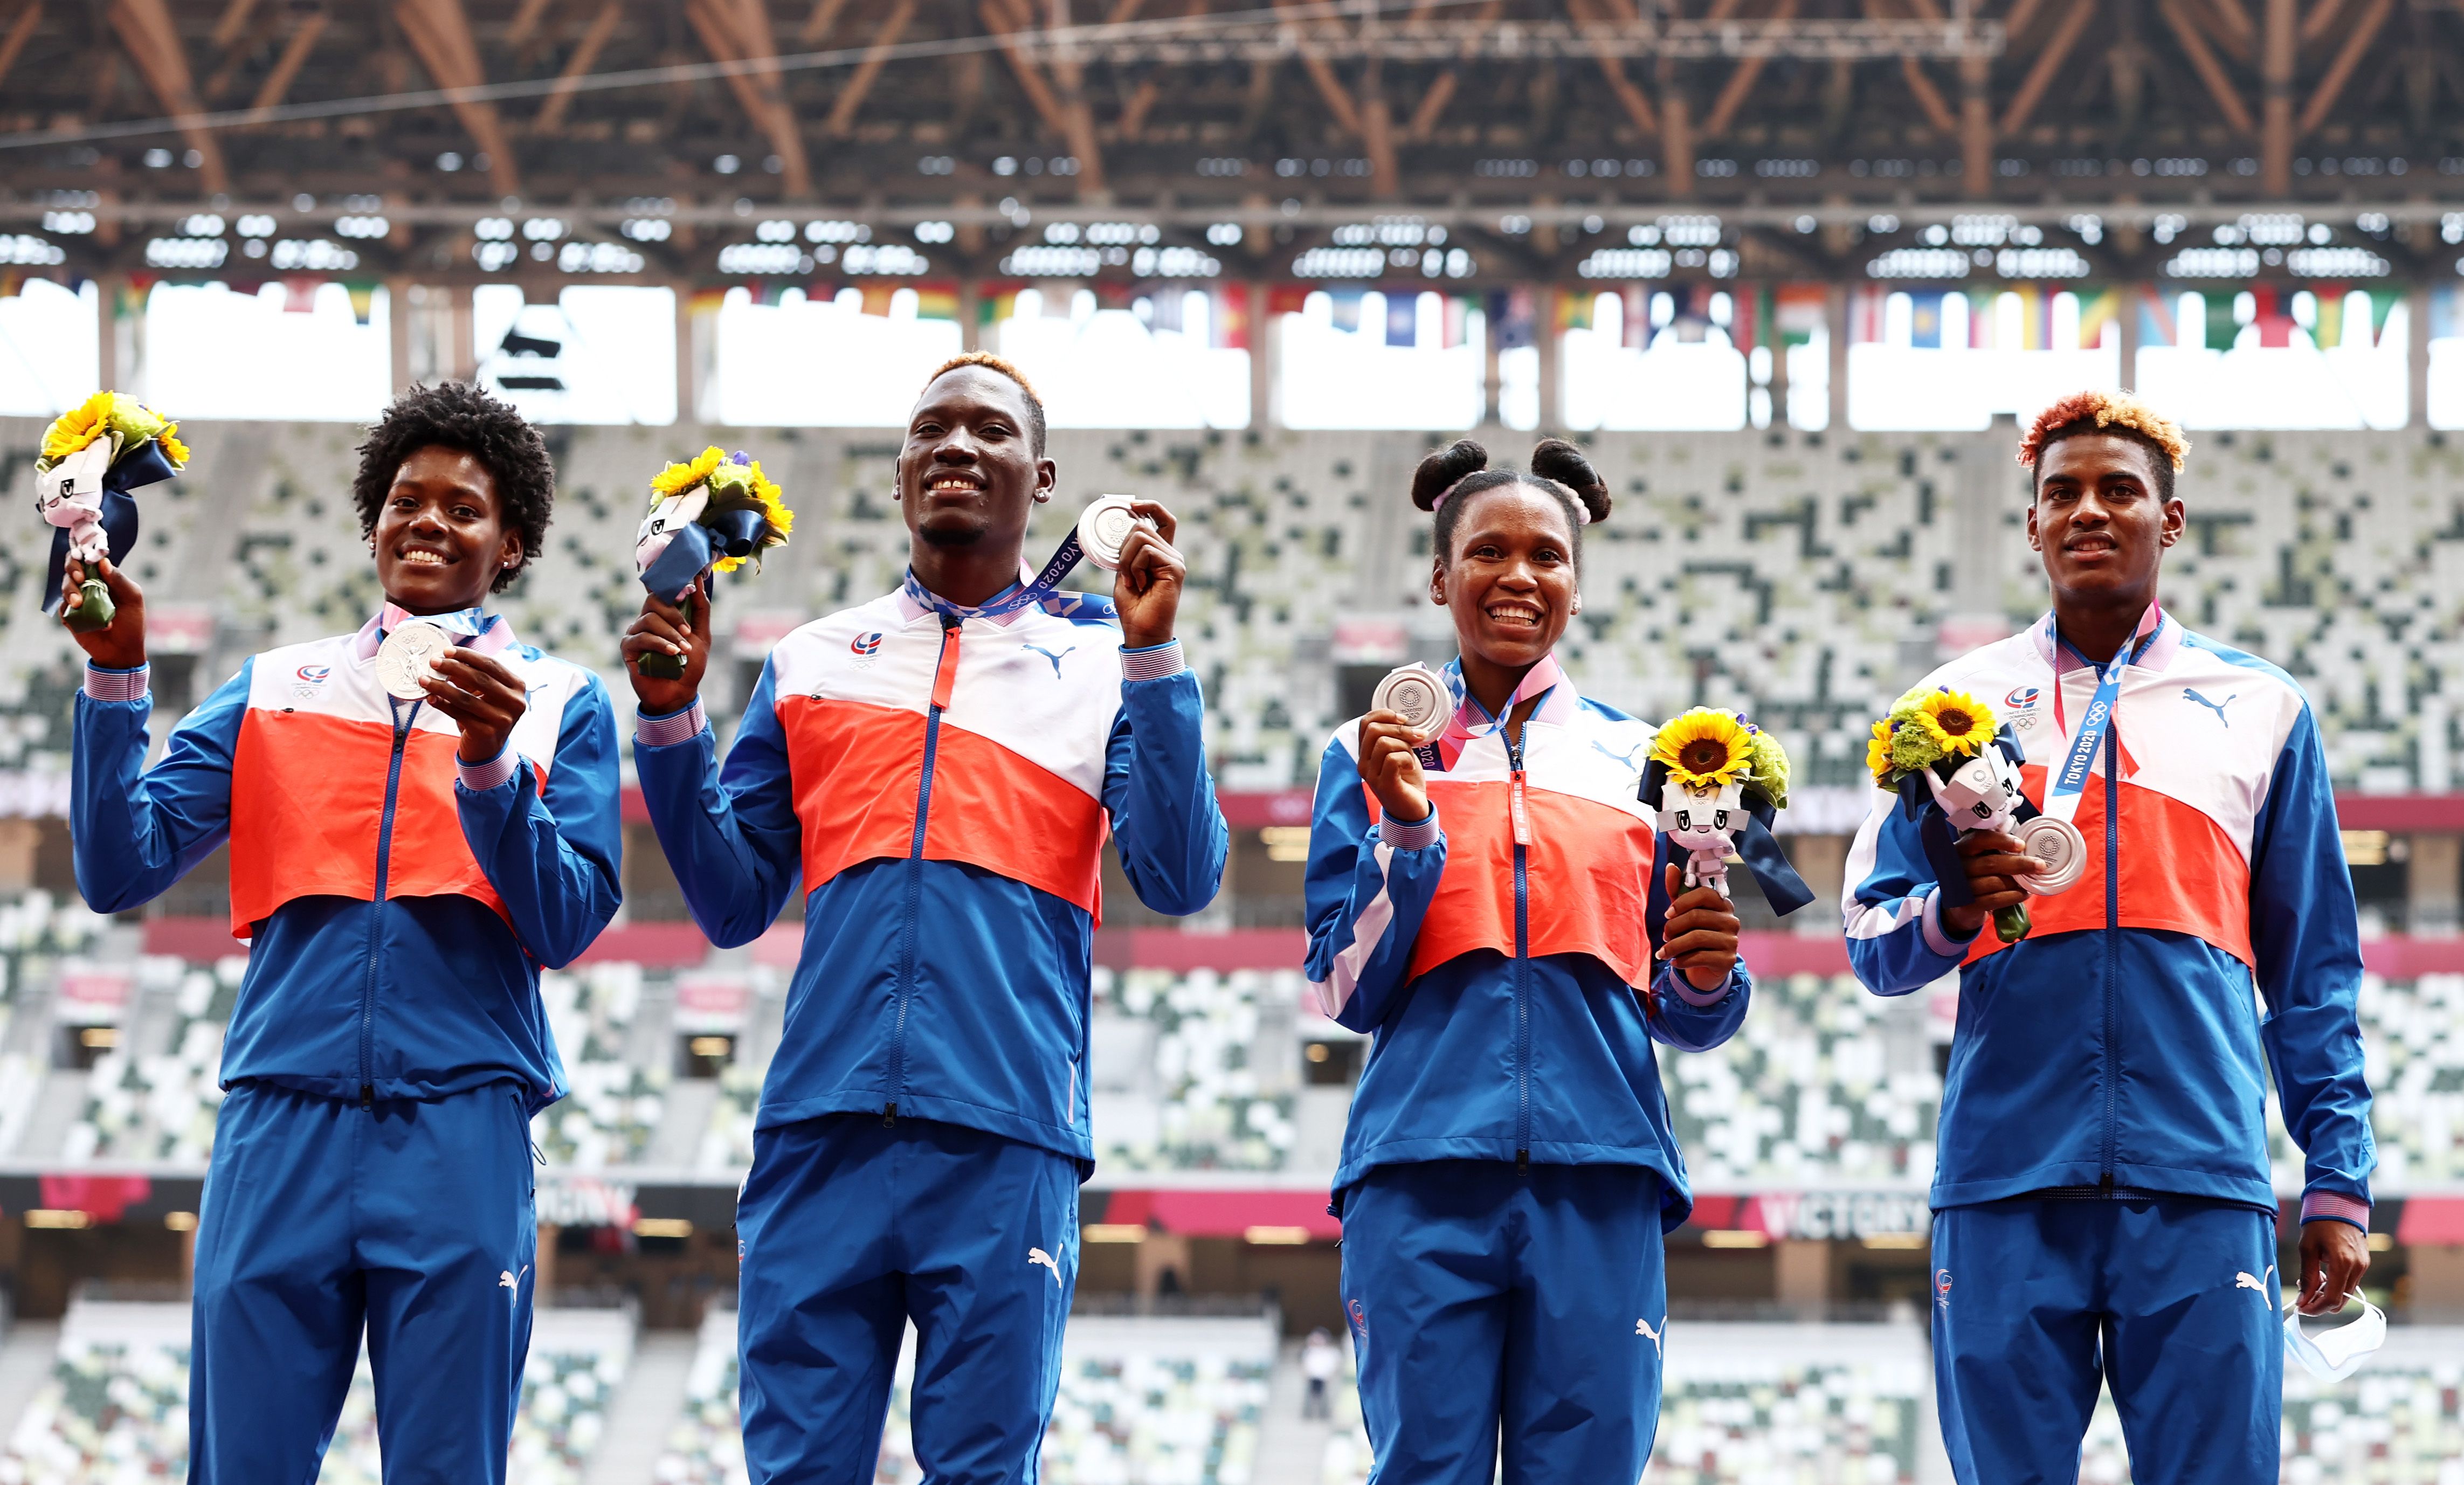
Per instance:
{"type": "Point", "coordinates": [1489, 907]}
{"type": "Point", "coordinates": [402, 868]}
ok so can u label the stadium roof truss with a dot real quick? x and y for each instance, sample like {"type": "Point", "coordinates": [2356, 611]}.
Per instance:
{"type": "Point", "coordinates": [639, 140]}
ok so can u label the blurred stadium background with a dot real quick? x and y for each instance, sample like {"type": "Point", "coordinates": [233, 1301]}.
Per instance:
{"type": "Point", "coordinates": [1791, 267]}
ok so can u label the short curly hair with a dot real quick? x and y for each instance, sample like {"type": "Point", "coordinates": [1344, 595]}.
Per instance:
{"type": "Point", "coordinates": [460, 416]}
{"type": "Point", "coordinates": [2118, 413]}
{"type": "Point", "coordinates": [999, 367]}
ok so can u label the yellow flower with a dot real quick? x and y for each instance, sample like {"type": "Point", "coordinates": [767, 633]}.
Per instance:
{"type": "Point", "coordinates": [1877, 751]}
{"type": "Point", "coordinates": [774, 512]}
{"type": "Point", "coordinates": [1704, 748]}
{"type": "Point", "coordinates": [676, 478]}
{"type": "Point", "coordinates": [172, 448]}
{"type": "Point", "coordinates": [76, 428]}
{"type": "Point", "coordinates": [1958, 721]}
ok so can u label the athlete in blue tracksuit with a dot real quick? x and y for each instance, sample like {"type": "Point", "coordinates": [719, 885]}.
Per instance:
{"type": "Point", "coordinates": [1484, 910]}
{"type": "Point", "coordinates": [2102, 1197]}
{"type": "Point", "coordinates": [937, 767]}
{"type": "Point", "coordinates": [401, 869]}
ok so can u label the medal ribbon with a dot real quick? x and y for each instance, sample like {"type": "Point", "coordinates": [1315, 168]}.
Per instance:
{"type": "Point", "coordinates": [2064, 789]}
{"type": "Point", "coordinates": [1039, 590]}
{"type": "Point", "coordinates": [1472, 721]}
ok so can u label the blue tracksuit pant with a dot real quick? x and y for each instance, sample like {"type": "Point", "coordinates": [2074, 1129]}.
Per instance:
{"type": "Point", "coordinates": [1505, 1317]}
{"type": "Point", "coordinates": [413, 1219]}
{"type": "Point", "coordinates": [2171, 1301]}
{"type": "Point", "coordinates": [847, 1229]}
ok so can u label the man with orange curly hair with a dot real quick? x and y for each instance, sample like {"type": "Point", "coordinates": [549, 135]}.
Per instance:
{"type": "Point", "coordinates": [2102, 1194]}
{"type": "Point", "coordinates": [936, 770]}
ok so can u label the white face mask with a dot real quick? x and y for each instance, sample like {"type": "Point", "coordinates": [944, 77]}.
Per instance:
{"type": "Point", "coordinates": [2339, 1352]}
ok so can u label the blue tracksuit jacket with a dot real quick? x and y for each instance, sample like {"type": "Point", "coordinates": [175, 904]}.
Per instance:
{"type": "Point", "coordinates": [943, 794]}
{"type": "Point", "coordinates": [2128, 1041]}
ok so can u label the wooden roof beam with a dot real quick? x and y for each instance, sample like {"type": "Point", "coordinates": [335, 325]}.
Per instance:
{"type": "Point", "coordinates": [1741, 82]}
{"type": "Point", "coordinates": [439, 31]}
{"type": "Point", "coordinates": [2357, 41]}
{"type": "Point", "coordinates": [2203, 62]}
{"type": "Point", "coordinates": [153, 43]}
{"type": "Point", "coordinates": [295, 56]}
{"type": "Point", "coordinates": [585, 55]}
{"type": "Point", "coordinates": [2049, 63]}
{"type": "Point", "coordinates": [843, 110]}
{"type": "Point", "coordinates": [739, 31]}
{"type": "Point", "coordinates": [20, 32]}
{"type": "Point", "coordinates": [1631, 97]}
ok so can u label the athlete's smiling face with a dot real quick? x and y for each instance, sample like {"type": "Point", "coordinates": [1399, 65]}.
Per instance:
{"type": "Point", "coordinates": [1509, 581]}
{"type": "Point", "coordinates": [2098, 518]}
{"type": "Point", "coordinates": [441, 537]}
{"type": "Point", "coordinates": [968, 473]}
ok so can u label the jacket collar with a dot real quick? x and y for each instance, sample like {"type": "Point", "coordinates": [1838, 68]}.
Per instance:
{"type": "Point", "coordinates": [2160, 652]}
{"type": "Point", "coordinates": [490, 634]}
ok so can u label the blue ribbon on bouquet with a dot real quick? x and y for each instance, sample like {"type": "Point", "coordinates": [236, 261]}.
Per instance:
{"type": "Point", "coordinates": [1756, 847]}
{"type": "Point", "coordinates": [1935, 833]}
{"type": "Point", "coordinates": [145, 465]}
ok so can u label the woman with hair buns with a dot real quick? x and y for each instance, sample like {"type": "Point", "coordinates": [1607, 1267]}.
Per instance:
{"type": "Point", "coordinates": [1495, 908]}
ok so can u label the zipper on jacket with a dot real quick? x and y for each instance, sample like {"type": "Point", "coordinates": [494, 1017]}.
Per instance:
{"type": "Point", "coordinates": [376, 909]}
{"type": "Point", "coordinates": [944, 674]}
{"type": "Point", "coordinates": [2112, 944]}
{"type": "Point", "coordinates": [1520, 814]}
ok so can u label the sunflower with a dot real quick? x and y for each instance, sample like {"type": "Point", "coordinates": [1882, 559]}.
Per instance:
{"type": "Point", "coordinates": [76, 428]}
{"type": "Point", "coordinates": [1704, 748]}
{"type": "Point", "coordinates": [1878, 752]}
{"type": "Point", "coordinates": [172, 448]}
{"type": "Point", "coordinates": [677, 478]}
{"type": "Point", "coordinates": [1956, 720]}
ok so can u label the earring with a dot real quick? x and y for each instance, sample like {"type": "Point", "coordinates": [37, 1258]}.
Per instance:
{"type": "Point", "coordinates": [1576, 606]}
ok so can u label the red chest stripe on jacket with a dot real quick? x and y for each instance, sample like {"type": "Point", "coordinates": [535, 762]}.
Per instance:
{"type": "Point", "coordinates": [855, 769]}
{"type": "Point", "coordinates": [1587, 874]}
{"type": "Point", "coordinates": [2180, 873]}
{"type": "Point", "coordinates": [308, 810]}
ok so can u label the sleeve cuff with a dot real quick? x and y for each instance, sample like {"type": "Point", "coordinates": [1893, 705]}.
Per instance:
{"type": "Point", "coordinates": [676, 727]}
{"type": "Point", "coordinates": [102, 685]}
{"type": "Point", "coordinates": [481, 777]}
{"type": "Point", "coordinates": [1936, 937]}
{"type": "Point", "coordinates": [1685, 989]}
{"type": "Point", "coordinates": [1151, 662]}
{"type": "Point", "coordinates": [2328, 1205]}
{"type": "Point", "coordinates": [1418, 834]}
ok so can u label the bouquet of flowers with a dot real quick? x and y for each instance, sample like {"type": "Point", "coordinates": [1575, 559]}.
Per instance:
{"type": "Point", "coordinates": [1717, 781]}
{"type": "Point", "coordinates": [93, 455]}
{"type": "Point", "coordinates": [710, 515]}
{"type": "Point", "coordinates": [1941, 753]}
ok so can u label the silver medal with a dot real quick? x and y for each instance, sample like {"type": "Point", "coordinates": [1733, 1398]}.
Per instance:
{"type": "Point", "coordinates": [408, 657]}
{"type": "Point", "coordinates": [1419, 695]}
{"type": "Point", "coordinates": [1105, 526]}
{"type": "Point", "coordinates": [2059, 846]}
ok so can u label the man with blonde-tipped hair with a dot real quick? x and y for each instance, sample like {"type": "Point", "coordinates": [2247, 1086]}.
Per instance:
{"type": "Point", "coordinates": [2104, 1208]}
{"type": "Point", "coordinates": [938, 766]}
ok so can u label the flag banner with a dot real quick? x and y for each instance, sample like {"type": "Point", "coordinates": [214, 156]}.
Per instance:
{"type": "Point", "coordinates": [2327, 320]}
{"type": "Point", "coordinates": [1925, 318]}
{"type": "Point", "coordinates": [706, 301]}
{"type": "Point", "coordinates": [1636, 301]}
{"type": "Point", "coordinates": [2275, 316]}
{"type": "Point", "coordinates": [2383, 302]}
{"type": "Point", "coordinates": [2447, 312]}
{"type": "Point", "coordinates": [2098, 307]}
{"type": "Point", "coordinates": [937, 300]}
{"type": "Point", "coordinates": [877, 297]}
{"type": "Point", "coordinates": [2224, 325]}
{"type": "Point", "coordinates": [1799, 311]}
{"type": "Point", "coordinates": [1286, 299]}
{"type": "Point", "coordinates": [1164, 306]}
{"type": "Point", "coordinates": [298, 297]}
{"type": "Point", "coordinates": [1112, 293]}
{"type": "Point", "coordinates": [1460, 309]}
{"type": "Point", "coordinates": [1865, 307]}
{"type": "Point", "coordinates": [1981, 326]}
{"type": "Point", "coordinates": [996, 300]}
{"type": "Point", "coordinates": [1402, 319]}
{"type": "Point", "coordinates": [1573, 309]}
{"type": "Point", "coordinates": [1513, 319]}
{"type": "Point", "coordinates": [364, 298]}
{"type": "Point", "coordinates": [1750, 321]}
{"type": "Point", "coordinates": [1231, 318]}
{"type": "Point", "coordinates": [2156, 322]}
{"type": "Point", "coordinates": [1347, 308]}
